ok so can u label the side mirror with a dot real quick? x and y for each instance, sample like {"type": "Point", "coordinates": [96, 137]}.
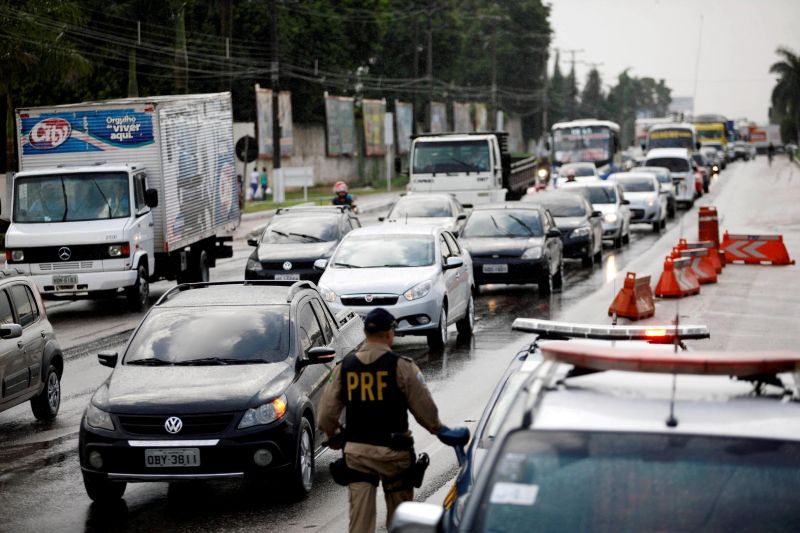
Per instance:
{"type": "Point", "coordinates": [626, 202]}
{"type": "Point", "coordinates": [319, 355]}
{"type": "Point", "coordinates": [321, 264]}
{"type": "Point", "coordinates": [252, 242]}
{"type": "Point", "coordinates": [452, 262]}
{"type": "Point", "coordinates": [462, 216]}
{"type": "Point", "coordinates": [151, 198]}
{"type": "Point", "coordinates": [398, 165]}
{"type": "Point", "coordinates": [415, 517]}
{"type": "Point", "coordinates": [10, 331]}
{"type": "Point", "coordinates": [108, 359]}
{"type": "Point", "coordinates": [554, 233]}
{"type": "Point", "coordinates": [466, 206]}
{"type": "Point", "coordinates": [381, 219]}
{"type": "Point", "coordinates": [597, 214]}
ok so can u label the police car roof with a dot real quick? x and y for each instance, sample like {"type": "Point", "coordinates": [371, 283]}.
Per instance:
{"type": "Point", "coordinates": [396, 228]}
{"type": "Point", "coordinates": [227, 294]}
{"type": "Point", "coordinates": [508, 205]}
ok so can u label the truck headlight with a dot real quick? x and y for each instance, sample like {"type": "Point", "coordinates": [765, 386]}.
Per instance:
{"type": "Point", "coordinates": [418, 291]}
{"type": "Point", "coordinates": [582, 231]}
{"type": "Point", "coordinates": [610, 218]}
{"type": "Point", "coordinates": [253, 264]}
{"type": "Point", "coordinates": [534, 252]}
{"type": "Point", "coordinates": [264, 414]}
{"type": "Point", "coordinates": [327, 294]}
{"type": "Point", "coordinates": [17, 255]}
{"type": "Point", "coordinates": [119, 250]}
{"type": "Point", "coordinates": [98, 418]}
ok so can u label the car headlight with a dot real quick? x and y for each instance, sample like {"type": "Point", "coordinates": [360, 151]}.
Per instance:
{"type": "Point", "coordinates": [253, 264]}
{"type": "Point", "coordinates": [610, 217]}
{"type": "Point", "coordinates": [651, 202]}
{"type": "Point", "coordinates": [418, 291]}
{"type": "Point", "coordinates": [542, 173]}
{"type": "Point", "coordinates": [264, 414]}
{"type": "Point", "coordinates": [583, 231]}
{"type": "Point", "coordinates": [327, 294]}
{"type": "Point", "coordinates": [534, 252]}
{"type": "Point", "coordinates": [97, 418]}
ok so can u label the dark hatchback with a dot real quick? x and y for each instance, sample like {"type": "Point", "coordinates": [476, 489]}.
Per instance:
{"type": "Point", "coordinates": [220, 380]}
{"type": "Point", "coordinates": [513, 242]}
{"type": "Point", "coordinates": [294, 239]}
{"type": "Point", "coordinates": [581, 226]}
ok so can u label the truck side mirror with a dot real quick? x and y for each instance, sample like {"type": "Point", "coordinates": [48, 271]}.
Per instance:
{"type": "Point", "coordinates": [151, 198]}
{"type": "Point", "coordinates": [398, 165]}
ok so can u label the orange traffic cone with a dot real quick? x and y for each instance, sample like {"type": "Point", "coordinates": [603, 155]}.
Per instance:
{"type": "Point", "coordinates": [635, 299]}
{"type": "Point", "coordinates": [700, 265]}
{"type": "Point", "coordinates": [676, 280]}
{"type": "Point", "coordinates": [713, 252]}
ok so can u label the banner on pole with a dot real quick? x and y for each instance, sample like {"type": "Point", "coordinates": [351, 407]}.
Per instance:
{"type": "Point", "coordinates": [481, 117]}
{"type": "Point", "coordinates": [438, 117]}
{"type": "Point", "coordinates": [264, 122]}
{"type": "Point", "coordinates": [404, 120]}
{"type": "Point", "coordinates": [374, 112]}
{"type": "Point", "coordinates": [462, 117]}
{"type": "Point", "coordinates": [340, 126]}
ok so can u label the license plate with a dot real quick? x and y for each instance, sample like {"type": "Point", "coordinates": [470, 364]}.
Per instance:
{"type": "Point", "coordinates": [172, 457]}
{"type": "Point", "coordinates": [495, 269]}
{"type": "Point", "coordinates": [287, 277]}
{"type": "Point", "coordinates": [65, 280]}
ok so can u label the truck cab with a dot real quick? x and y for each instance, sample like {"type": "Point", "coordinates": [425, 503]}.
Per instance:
{"type": "Point", "coordinates": [84, 230]}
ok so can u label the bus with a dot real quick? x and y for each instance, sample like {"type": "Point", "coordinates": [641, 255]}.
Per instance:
{"type": "Point", "coordinates": [585, 141]}
{"type": "Point", "coordinates": [675, 135]}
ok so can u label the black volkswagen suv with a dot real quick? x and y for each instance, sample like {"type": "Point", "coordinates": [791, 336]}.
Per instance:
{"type": "Point", "coordinates": [220, 380]}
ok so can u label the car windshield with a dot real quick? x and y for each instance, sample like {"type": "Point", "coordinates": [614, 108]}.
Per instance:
{"type": "Point", "coordinates": [561, 206]}
{"type": "Point", "coordinates": [674, 164]}
{"type": "Point", "coordinates": [421, 207]}
{"type": "Point", "coordinates": [232, 334]}
{"type": "Point", "coordinates": [503, 223]}
{"type": "Point", "coordinates": [451, 156]}
{"type": "Point", "coordinates": [637, 184]}
{"type": "Point", "coordinates": [71, 197]}
{"type": "Point", "coordinates": [301, 228]}
{"type": "Point", "coordinates": [607, 481]}
{"type": "Point", "coordinates": [579, 171]}
{"type": "Point", "coordinates": [371, 251]}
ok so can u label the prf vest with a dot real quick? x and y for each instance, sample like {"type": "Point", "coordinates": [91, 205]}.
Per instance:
{"type": "Point", "coordinates": [375, 407]}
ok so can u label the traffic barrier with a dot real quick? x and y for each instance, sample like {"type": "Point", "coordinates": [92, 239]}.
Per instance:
{"type": "Point", "coordinates": [677, 280]}
{"type": "Point", "coordinates": [635, 299]}
{"type": "Point", "coordinates": [708, 228]}
{"type": "Point", "coordinates": [755, 249]}
{"type": "Point", "coordinates": [700, 265]}
{"type": "Point", "coordinates": [713, 252]}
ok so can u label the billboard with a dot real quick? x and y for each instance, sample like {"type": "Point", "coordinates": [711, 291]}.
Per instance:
{"type": "Point", "coordinates": [264, 122]}
{"type": "Point", "coordinates": [374, 112]}
{"type": "Point", "coordinates": [481, 117]}
{"type": "Point", "coordinates": [404, 120]}
{"type": "Point", "coordinates": [438, 117]}
{"type": "Point", "coordinates": [462, 117]}
{"type": "Point", "coordinates": [340, 126]}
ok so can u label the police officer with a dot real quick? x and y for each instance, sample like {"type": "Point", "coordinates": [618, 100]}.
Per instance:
{"type": "Point", "coordinates": [376, 388]}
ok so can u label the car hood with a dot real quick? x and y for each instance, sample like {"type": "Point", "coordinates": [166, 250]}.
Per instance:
{"type": "Point", "coordinates": [569, 223]}
{"type": "Point", "coordinates": [375, 280]}
{"type": "Point", "coordinates": [640, 198]}
{"type": "Point", "coordinates": [606, 208]}
{"type": "Point", "coordinates": [507, 246]}
{"type": "Point", "coordinates": [187, 389]}
{"type": "Point", "coordinates": [295, 250]}
{"type": "Point", "coordinates": [67, 233]}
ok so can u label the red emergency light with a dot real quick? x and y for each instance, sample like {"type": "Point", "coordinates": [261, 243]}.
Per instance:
{"type": "Point", "coordinates": [662, 360]}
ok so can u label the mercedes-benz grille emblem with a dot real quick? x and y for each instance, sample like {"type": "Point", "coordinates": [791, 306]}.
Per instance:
{"type": "Point", "coordinates": [64, 253]}
{"type": "Point", "coordinates": [173, 425]}
{"type": "Point", "coordinates": [287, 265]}
{"type": "Point", "coordinates": [368, 298]}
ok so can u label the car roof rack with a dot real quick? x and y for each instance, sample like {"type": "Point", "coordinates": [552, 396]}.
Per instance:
{"type": "Point", "coordinates": [340, 208]}
{"type": "Point", "coordinates": [294, 287]}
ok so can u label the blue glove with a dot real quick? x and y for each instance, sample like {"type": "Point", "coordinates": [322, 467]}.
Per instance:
{"type": "Point", "coordinates": [454, 437]}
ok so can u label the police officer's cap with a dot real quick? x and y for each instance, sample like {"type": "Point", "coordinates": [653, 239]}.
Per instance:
{"type": "Point", "coordinates": [379, 320]}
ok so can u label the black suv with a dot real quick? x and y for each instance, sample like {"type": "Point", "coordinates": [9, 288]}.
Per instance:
{"type": "Point", "coordinates": [31, 362]}
{"type": "Point", "coordinates": [295, 238]}
{"type": "Point", "coordinates": [220, 380]}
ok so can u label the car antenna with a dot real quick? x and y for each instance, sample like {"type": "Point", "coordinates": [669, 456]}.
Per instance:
{"type": "Point", "coordinates": [671, 420]}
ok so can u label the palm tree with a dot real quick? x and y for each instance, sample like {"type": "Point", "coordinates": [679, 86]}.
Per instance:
{"type": "Point", "coordinates": [786, 94]}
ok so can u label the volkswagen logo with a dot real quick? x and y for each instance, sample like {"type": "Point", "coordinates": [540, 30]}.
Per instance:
{"type": "Point", "coordinates": [368, 298]}
{"type": "Point", "coordinates": [173, 425]}
{"type": "Point", "coordinates": [64, 253]}
{"type": "Point", "coordinates": [287, 265]}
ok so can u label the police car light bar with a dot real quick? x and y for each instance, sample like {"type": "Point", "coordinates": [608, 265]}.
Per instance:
{"type": "Point", "coordinates": [566, 330]}
{"type": "Point", "coordinates": [661, 359]}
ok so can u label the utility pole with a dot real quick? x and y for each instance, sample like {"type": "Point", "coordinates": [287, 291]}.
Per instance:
{"type": "Point", "coordinates": [493, 116]}
{"type": "Point", "coordinates": [277, 177]}
{"type": "Point", "coordinates": [429, 73]}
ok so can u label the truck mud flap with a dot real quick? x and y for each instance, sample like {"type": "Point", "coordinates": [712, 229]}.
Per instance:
{"type": "Point", "coordinates": [222, 249]}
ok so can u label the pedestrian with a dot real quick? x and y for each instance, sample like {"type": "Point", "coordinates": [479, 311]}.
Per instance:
{"type": "Point", "coordinates": [254, 183]}
{"type": "Point", "coordinates": [770, 153]}
{"type": "Point", "coordinates": [376, 388]}
{"type": "Point", "coordinates": [264, 183]}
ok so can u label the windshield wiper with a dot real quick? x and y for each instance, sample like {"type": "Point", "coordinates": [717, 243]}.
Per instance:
{"type": "Point", "coordinates": [521, 223]}
{"type": "Point", "coordinates": [346, 265]}
{"type": "Point", "coordinates": [282, 234]}
{"type": "Point", "coordinates": [503, 232]}
{"type": "Point", "coordinates": [303, 235]}
{"type": "Point", "coordinates": [150, 361]}
{"type": "Point", "coordinates": [469, 167]}
{"type": "Point", "coordinates": [105, 199]}
{"type": "Point", "coordinates": [220, 361]}
{"type": "Point", "coordinates": [66, 204]}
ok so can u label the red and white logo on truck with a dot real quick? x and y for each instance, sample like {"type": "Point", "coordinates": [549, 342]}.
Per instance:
{"type": "Point", "coordinates": [49, 133]}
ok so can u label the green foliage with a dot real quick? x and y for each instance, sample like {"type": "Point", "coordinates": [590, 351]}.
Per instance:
{"type": "Point", "coordinates": [786, 94]}
{"type": "Point", "coordinates": [593, 102]}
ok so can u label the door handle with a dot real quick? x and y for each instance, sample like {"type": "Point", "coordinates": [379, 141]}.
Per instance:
{"type": "Point", "coordinates": [151, 224]}
{"type": "Point", "coordinates": [43, 334]}
{"type": "Point", "coordinates": [20, 344]}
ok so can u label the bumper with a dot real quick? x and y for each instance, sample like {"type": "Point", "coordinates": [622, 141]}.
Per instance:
{"type": "Point", "coordinates": [612, 230]}
{"type": "Point", "coordinates": [577, 247]}
{"type": "Point", "coordinates": [644, 213]}
{"type": "Point", "coordinates": [86, 282]}
{"type": "Point", "coordinates": [417, 317]}
{"type": "Point", "coordinates": [518, 270]}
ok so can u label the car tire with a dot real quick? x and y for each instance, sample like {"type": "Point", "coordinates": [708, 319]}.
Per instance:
{"type": "Point", "coordinates": [545, 283]}
{"type": "Point", "coordinates": [657, 227]}
{"type": "Point", "coordinates": [201, 268]}
{"type": "Point", "coordinates": [626, 239]}
{"type": "Point", "coordinates": [138, 294]}
{"type": "Point", "coordinates": [618, 241]}
{"type": "Point", "coordinates": [438, 338]}
{"type": "Point", "coordinates": [558, 278]}
{"type": "Point", "coordinates": [101, 490]}
{"type": "Point", "coordinates": [598, 255]}
{"type": "Point", "coordinates": [663, 223]}
{"type": "Point", "coordinates": [466, 325]}
{"type": "Point", "coordinates": [671, 210]}
{"type": "Point", "coordinates": [301, 478]}
{"type": "Point", "coordinates": [45, 404]}
{"type": "Point", "coordinates": [587, 261]}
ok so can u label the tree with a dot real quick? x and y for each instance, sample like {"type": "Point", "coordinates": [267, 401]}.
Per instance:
{"type": "Point", "coordinates": [571, 95]}
{"type": "Point", "coordinates": [593, 104]}
{"type": "Point", "coordinates": [555, 93]}
{"type": "Point", "coordinates": [786, 93]}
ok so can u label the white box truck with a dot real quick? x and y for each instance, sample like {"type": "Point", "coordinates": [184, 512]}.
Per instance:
{"type": "Point", "coordinates": [112, 195]}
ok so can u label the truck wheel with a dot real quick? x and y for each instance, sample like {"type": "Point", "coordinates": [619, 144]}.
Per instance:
{"type": "Point", "coordinates": [101, 490]}
{"type": "Point", "coordinates": [201, 267]}
{"type": "Point", "coordinates": [138, 294]}
{"type": "Point", "coordinates": [45, 404]}
{"type": "Point", "coordinates": [467, 324]}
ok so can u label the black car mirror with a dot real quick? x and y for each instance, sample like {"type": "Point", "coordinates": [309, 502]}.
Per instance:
{"type": "Point", "coordinates": [108, 359]}
{"type": "Point", "coordinates": [381, 219]}
{"type": "Point", "coordinates": [597, 214]}
{"type": "Point", "coordinates": [151, 198]}
{"type": "Point", "coordinates": [626, 202]}
{"type": "Point", "coordinates": [10, 331]}
{"type": "Point", "coordinates": [554, 232]}
{"type": "Point", "coordinates": [319, 355]}
{"type": "Point", "coordinates": [461, 216]}
{"type": "Point", "coordinates": [452, 262]}
{"type": "Point", "coordinates": [466, 206]}
{"type": "Point", "coordinates": [252, 242]}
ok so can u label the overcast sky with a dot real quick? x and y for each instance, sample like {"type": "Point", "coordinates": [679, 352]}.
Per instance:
{"type": "Point", "coordinates": [659, 38]}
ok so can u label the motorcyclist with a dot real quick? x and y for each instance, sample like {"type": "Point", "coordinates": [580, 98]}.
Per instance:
{"type": "Point", "coordinates": [770, 153]}
{"type": "Point", "coordinates": [342, 196]}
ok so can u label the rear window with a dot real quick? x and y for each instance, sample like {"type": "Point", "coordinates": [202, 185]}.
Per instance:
{"type": "Point", "coordinates": [606, 481]}
{"type": "Point", "coordinates": [601, 195]}
{"type": "Point", "coordinates": [674, 164]}
{"type": "Point", "coordinates": [562, 206]}
{"type": "Point", "coordinates": [637, 184]}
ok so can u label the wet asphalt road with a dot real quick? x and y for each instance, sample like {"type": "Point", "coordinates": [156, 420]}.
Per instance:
{"type": "Point", "coordinates": [40, 481]}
